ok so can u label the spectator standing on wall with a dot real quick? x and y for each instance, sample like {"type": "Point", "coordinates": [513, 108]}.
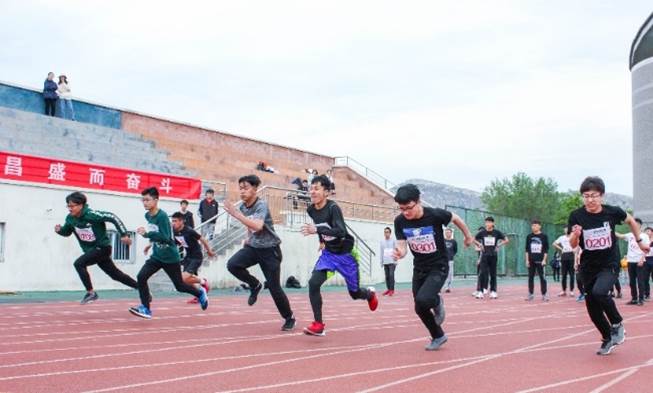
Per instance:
{"type": "Point", "coordinates": [65, 99]}
{"type": "Point", "coordinates": [329, 174]}
{"type": "Point", "coordinates": [50, 94]}
{"type": "Point", "coordinates": [188, 215]}
{"type": "Point", "coordinates": [208, 209]}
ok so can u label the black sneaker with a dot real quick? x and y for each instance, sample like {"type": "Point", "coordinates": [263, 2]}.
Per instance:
{"type": "Point", "coordinates": [641, 302]}
{"type": "Point", "coordinates": [253, 295]}
{"type": "Point", "coordinates": [89, 298]}
{"type": "Point", "coordinates": [618, 334]}
{"type": "Point", "coordinates": [632, 302]}
{"type": "Point", "coordinates": [289, 324]}
{"type": "Point", "coordinates": [606, 347]}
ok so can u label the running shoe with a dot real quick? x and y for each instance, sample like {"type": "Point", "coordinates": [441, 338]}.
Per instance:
{"type": "Point", "coordinates": [493, 295]}
{"type": "Point", "coordinates": [90, 297]}
{"type": "Point", "coordinates": [141, 311]}
{"type": "Point", "coordinates": [545, 298]}
{"type": "Point", "coordinates": [530, 297]}
{"type": "Point", "coordinates": [315, 329]}
{"type": "Point", "coordinates": [205, 284]}
{"type": "Point", "coordinates": [562, 294]}
{"type": "Point", "coordinates": [373, 301]}
{"type": "Point", "coordinates": [436, 343]}
{"type": "Point", "coordinates": [479, 295]}
{"type": "Point", "coordinates": [580, 298]}
{"type": "Point", "coordinates": [253, 294]}
{"type": "Point", "coordinates": [632, 302]}
{"type": "Point", "coordinates": [571, 293]}
{"type": "Point", "coordinates": [606, 347]}
{"type": "Point", "coordinates": [439, 312]}
{"type": "Point", "coordinates": [392, 293]}
{"type": "Point", "coordinates": [386, 293]}
{"type": "Point", "coordinates": [289, 324]}
{"type": "Point", "coordinates": [618, 333]}
{"type": "Point", "coordinates": [204, 299]}
{"type": "Point", "coordinates": [447, 290]}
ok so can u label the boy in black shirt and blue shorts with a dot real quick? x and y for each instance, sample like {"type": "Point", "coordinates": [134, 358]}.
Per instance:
{"type": "Point", "coordinates": [421, 229]}
{"type": "Point", "coordinates": [593, 228]}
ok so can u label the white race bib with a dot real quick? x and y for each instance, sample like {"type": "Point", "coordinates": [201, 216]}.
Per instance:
{"type": "Point", "coordinates": [421, 240]}
{"type": "Point", "coordinates": [387, 252]}
{"type": "Point", "coordinates": [152, 228]}
{"type": "Point", "coordinates": [598, 238]}
{"type": "Point", "coordinates": [85, 234]}
{"type": "Point", "coordinates": [182, 241]}
{"type": "Point", "coordinates": [489, 241]}
{"type": "Point", "coordinates": [536, 248]}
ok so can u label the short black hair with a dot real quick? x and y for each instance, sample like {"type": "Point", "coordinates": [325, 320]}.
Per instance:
{"type": "Point", "coordinates": [536, 221]}
{"type": "Point", "coordinates": [252, 180]}
{"type": "Point", "coordinates": [648, 229]}
{"type": "Point", "coordinates": [183, 202]}
{"type": "Point", "coordinates": [592, 183]}
{"type": "Point", "coordinates": [323, 180]}
{"type": "Point", "coordinates": [387, 229]}
{"type": "Point", "coordinates": [638, 220]}
{"type": "Point", "coordinates": [489, 218]}
{"type": "Point", "coordinates": [152, 191]}
{"type": "Point", "coordinates": [407, 193]}
{"type": "Point", "coordinates": [178, 216]}
{"type": "Point", "coordinates": [448, 229]}
{"type": "Point", "coordinates": [77, 198]}
{"type": "Point", "coordinates": [209, 191]}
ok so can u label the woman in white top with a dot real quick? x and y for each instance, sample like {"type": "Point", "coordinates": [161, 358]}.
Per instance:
{"type": "Point", "coordinates": [567, 263]}
{"type": "Point", "coordinates": [65, 99]}
{"type": "Point", "coordinates": [388, 263]}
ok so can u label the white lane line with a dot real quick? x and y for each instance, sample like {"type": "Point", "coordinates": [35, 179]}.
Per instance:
{"type": "Point", "coordinates": [615, 381]}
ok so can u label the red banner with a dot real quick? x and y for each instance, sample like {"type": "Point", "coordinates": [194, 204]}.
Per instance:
{"type": "Point", "coordinates": [32, 169]}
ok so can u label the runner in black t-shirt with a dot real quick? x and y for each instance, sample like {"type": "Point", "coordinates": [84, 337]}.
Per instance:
{"type": "Point", "coordinates": [489, 240]}
{"type": "Point", "coordinates": [537, 248]}
{"type": "Point", "coordinates": [421, 229]}
{"type": "Point", "coordinates": [592, 227]}
{"type": "Point", "coordinates": [189, 241]}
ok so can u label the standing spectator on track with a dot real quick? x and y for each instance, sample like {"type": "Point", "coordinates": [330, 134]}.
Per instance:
{"type": "Point", "coordinates": [388, 264]}
{"type": "Point", "coordinates": [207, 211]}
{"type": "Point", "coordinates": [189, 221]}
{"type": "Point", "coordinates": [636, 259]}
{"type": "Point", "coordinates": [50, 94]}
{"type": "Point", "coordinates": [537, 248]}
{"type": "Point", "coordinates": [566, 262]}
{"type": "Point", "coordinates": [452, 249]}
{"type": "Point", "coordinates": [489, 239]}
{"type": "Point", "coordinates": [65, 99]}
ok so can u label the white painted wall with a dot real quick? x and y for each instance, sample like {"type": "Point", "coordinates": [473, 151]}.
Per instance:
{"type": "Point", "coordinates": [37, 259]}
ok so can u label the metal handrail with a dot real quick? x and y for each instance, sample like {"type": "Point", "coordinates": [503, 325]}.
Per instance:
{"type": "Point", "coordinates": [381, 181]}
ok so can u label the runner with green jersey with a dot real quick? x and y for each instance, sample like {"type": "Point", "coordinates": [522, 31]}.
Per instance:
{"type": "Point", "coordinates": [90, 229]}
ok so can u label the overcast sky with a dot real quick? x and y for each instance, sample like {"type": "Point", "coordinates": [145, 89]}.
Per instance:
{"type": "Point", "coordinates": [458, 92]}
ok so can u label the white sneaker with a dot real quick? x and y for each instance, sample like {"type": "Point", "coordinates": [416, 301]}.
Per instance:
{"type": "Point", "coordinates": [479, 295]}
{"type": "Point", "coordinates": [474, 293]}
{"type": "Point", "coordinates": [485, 292]}
{"type": "Point", "coordinates": [493, 295]}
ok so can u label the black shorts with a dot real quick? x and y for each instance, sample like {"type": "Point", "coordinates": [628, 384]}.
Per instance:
{"type": "Point", "coordinates": [191, 265]}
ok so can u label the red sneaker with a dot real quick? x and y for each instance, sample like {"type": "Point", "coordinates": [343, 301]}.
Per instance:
{"type": "Point", "coordinates": [205, 284]}
{"type": "Point", "coordinates": [193, 301]}
{"type": "Point", "coordinates": [315, 329]}
{"type": "Point", "coordinates": [387, 293]}
{"type": "Point", "coordinates": [373, 301]}
{"type": "Point", "coordinates": [392, 293]}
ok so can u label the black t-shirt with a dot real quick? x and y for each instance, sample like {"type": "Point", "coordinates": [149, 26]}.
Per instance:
{"type": "Point", "coordinates": [489, 240]}
{"type": "Point", "coordinates": [597, 239]}
{"type": "Point", "coordinates": [425, 236]}
{"type": "Point", "coordinates": [536, 247]}
{"type": "Point", "coordinates": [189, 221]}
{"type": "Point", "coordinates": [188, 238]}
{"type": "Point", "coordinates": [452, 248]}
{"type": "Point", "coordinates": [331, 228]}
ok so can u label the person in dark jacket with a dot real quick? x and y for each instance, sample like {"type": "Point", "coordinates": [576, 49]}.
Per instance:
{"type": "Point", "coordinates": [208, 209]}
{"type": "Point", "coordinates": [50, 94]}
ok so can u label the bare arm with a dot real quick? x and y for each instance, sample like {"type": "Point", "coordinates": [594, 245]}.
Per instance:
{"type": "Point", "coordinates": [400, 250]}
{"type": "Point", "coordinates": [634, 228]}
{"type": "Point", "coordinates": [254, 224]}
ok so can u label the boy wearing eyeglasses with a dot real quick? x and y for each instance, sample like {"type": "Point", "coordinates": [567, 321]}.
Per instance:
{"type": "Point", "coordinates": [422, 230]}
{"type": "Point", "coordinates": [593, 228]}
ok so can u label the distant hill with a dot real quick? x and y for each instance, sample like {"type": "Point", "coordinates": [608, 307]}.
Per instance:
{"type": "Point", "coordinates": [441, 195]}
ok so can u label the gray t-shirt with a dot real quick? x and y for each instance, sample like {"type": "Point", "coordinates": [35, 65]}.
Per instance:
{"type": "Point", "coordinates": [266, 237]}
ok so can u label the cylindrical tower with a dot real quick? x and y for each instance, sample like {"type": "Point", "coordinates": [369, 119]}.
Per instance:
{"type": "Point", "coordinates": [641, 68]}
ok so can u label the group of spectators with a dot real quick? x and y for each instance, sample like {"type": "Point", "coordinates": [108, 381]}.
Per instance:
{"type": "Point", "coordinates": [58, 93]}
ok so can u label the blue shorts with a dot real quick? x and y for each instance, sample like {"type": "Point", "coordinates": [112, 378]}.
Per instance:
{"type": "Point", "coordinates": [345, 264]}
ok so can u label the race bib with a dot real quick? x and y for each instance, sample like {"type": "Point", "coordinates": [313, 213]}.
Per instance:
{"type": "Point", "coordinates": [387, 252]}
{"type": "Point", "coordinates": [152, 228]}
{"type": "Point", "coordinates": [181, 241]}
{"type": "Point", "coordinates": [85, 234]}
{"type": "Point", "coordinates": [421, 240]}
{"type": "Point", "coordinates": [598, 238]}
{"type": "Point", "coordinates": [489, 241]}
{"type": "Point", "coordinates": [536, 248]}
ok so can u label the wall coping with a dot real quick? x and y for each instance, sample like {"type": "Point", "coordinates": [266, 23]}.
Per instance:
{"type": "Point", "coordinates": [173, 121]}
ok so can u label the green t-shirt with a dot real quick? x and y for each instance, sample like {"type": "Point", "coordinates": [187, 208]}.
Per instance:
{"type": "Point", "coordinates": [90, 228]}
{"type": "Point", "coordinates": [159, 231]}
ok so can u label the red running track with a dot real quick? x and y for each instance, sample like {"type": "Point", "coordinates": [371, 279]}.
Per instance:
{"type": "Point", "coordinates": [504, 345]}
